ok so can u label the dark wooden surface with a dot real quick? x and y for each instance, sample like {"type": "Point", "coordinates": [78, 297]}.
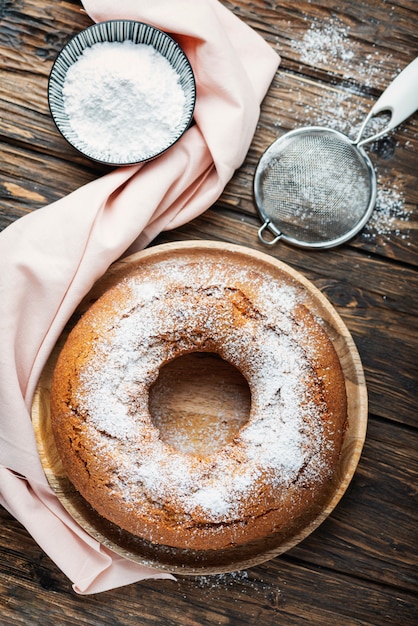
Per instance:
{"type": "Point", "coordinates": [360, 566]}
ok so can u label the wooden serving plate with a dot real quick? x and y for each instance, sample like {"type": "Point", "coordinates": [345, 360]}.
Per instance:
{"type": "Point", "coordinates": [198, 398]}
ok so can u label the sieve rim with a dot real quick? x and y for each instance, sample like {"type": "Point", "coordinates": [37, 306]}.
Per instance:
{"type": "Point", "coordinates": [269, 224]}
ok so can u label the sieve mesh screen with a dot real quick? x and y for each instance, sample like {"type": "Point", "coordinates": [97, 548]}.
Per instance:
{"type": "Point", "coordinates": [313, 186]}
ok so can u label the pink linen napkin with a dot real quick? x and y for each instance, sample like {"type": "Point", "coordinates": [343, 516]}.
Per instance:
{"type": "Point", "coordinates": [51, 258]}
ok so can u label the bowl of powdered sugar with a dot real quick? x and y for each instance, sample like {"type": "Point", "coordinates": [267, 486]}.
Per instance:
{"type": "Point", "coordinates": [122, 92]}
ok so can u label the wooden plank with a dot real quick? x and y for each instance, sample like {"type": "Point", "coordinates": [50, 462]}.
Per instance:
{"type": "Point", "coordinates": [382, 492]}
{"type": "Point", "coordinates": [33, 33]}
{"type": "Point", "coordinates": [286, 591]}
{"type": "Point", "coordinates": [373, 29]}
{"type": "Point", "coordinates": [22, 192]}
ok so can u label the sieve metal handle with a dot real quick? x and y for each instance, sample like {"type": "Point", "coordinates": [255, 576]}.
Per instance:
{"type": "Point", "coordinates": [400, 98]}
{"type": "Point", "coordinates": [268, 242]}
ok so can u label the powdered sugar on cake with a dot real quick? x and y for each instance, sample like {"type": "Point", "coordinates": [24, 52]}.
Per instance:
{"type": "Point", "coordinates": [284, 435]}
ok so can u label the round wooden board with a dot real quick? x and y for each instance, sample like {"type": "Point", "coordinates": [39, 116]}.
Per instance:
{"type": "Point", "coordinates": [237, 557]}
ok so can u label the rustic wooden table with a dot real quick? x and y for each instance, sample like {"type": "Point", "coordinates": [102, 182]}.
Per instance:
{"type": "Point", "coordinates": [359, 567]}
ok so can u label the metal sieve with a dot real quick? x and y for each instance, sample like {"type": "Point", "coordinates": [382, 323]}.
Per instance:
{"type": "Point", "coordinates": [316, 188]}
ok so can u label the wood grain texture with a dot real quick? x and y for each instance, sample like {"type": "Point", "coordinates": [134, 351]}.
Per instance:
{"type": "Point", "coordinates": [360, 566]}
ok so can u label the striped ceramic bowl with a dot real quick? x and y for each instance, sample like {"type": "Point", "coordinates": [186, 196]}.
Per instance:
{"type": "Point", "coordinates": [120, 31]}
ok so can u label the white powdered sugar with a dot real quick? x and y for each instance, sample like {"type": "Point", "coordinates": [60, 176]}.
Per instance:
{"type": "Point", "coordinates": [327, 45]}
{"type": "Point", "coordinates": [324, 41]}
{"type": "Point", "coordinates": [192, 311]}
{"type": "Point", "coordinates": [124, 101]}
{"type": "Point", "coordinates": [390, 215]}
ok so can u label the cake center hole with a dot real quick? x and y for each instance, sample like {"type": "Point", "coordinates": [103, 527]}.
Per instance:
{"type": "Point", "coordinates": [199, 403]}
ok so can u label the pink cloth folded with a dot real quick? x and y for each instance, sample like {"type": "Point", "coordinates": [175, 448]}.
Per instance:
{"type": "Point", "coordinates": [50, 259]}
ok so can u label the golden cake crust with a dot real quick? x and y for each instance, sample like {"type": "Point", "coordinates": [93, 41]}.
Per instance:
{"type": "Point", "coordinates": [276, 471]}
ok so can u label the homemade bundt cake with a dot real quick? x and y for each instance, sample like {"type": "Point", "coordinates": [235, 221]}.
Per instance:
{"type": "Point", "coordinates": [276, 469]}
